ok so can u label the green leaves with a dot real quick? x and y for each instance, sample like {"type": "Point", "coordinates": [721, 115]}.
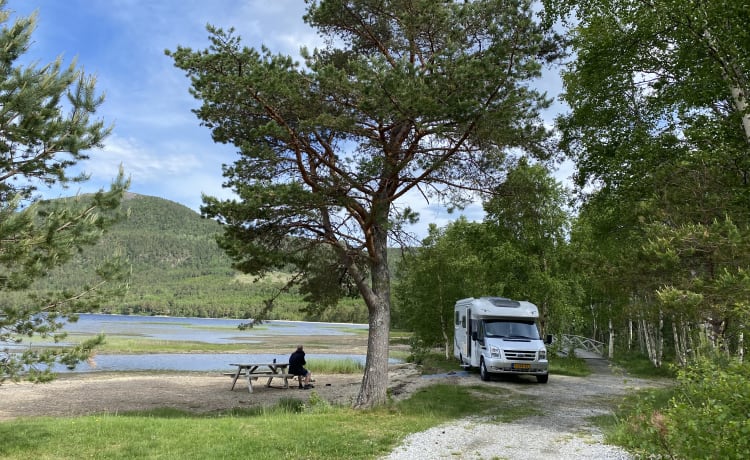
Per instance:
{"type": "Point", "coordinates": [659, 138]}
{"type": "Point", "coordinates": [407, 96]}
{"type": "Point", "coordinates": [39, 143]}
{"type": "Point", "coordinates": [416, 90]}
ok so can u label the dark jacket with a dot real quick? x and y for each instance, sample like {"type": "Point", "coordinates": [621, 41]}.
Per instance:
{"type": "Point", "coordinates": [297, 362]}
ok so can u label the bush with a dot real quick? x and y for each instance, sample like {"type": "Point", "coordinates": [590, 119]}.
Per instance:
{"type": "Point", "coordinates": [707, 417]}
{"type": "Point", "coordinates": [710, 414]}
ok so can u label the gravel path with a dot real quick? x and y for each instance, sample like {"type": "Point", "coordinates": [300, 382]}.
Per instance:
{"type": "Point", "coordinates": [560, 431]}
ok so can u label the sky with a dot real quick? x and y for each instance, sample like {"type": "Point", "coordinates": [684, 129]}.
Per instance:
{"type": "Point", "coordinates": [156, 138]}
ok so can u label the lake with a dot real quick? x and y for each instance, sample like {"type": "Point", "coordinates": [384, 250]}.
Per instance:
{"type": "Point", "coordinates": [208, 330]}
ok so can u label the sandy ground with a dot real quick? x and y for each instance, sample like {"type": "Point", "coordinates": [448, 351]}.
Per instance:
{"type": "Point", "coordinates": [118, 392]}
{"type": "Point", "coordinates": [99, 393]}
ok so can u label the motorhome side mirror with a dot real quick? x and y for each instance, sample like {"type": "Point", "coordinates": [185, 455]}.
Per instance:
{"type": "Point", "coordinates": [548, 339]}
{"type": "Point", "coordinates": [473, 336]}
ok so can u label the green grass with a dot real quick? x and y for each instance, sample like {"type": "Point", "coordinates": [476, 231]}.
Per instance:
{"type": "Point", "coordinates": [435, 363]}
{"type": "Point", "coordinates": [291, 429]}
{"type": "Point", "coordinates": [630, 425]}
{"type": "Point", "coordinates": [639, 366]}
{"type": "Point", "coordinates": [131, 345]}
{"type": "Point", "coordinates": [569, 365]}
{"type": "Point", "coordinates": [334, 366]}
{"type": "Point", "coordinates": [354, 330]}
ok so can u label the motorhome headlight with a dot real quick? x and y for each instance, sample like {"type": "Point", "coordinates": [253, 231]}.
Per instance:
{"type": "Point", "coordinates": [542, 354]}
{"type": "Point", "coordinates": [495, 352]}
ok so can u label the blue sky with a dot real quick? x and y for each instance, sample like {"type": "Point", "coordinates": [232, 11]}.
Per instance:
{"type": "Point", "coordinates": [156, 137]}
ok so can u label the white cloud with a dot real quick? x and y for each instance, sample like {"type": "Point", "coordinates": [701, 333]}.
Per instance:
{"type": "Point", "coordinates": [142, 163]}
{"type": "Point", "coordinates": [156, 138]}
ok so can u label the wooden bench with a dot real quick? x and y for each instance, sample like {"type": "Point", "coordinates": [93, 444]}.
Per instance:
{"type": "Point", "coordinates": [252, 373]}
{"type": "Point", "coordinates": [286, 377]}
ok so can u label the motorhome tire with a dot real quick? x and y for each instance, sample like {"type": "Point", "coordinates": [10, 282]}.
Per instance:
{"type": "Point", "coordinates": [542, 378]}
{"type": "Point", "coordinates": [483, 374]}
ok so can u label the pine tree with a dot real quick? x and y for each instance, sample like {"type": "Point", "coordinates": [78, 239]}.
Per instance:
{"type": "Point", "coordinates": [46, 128]}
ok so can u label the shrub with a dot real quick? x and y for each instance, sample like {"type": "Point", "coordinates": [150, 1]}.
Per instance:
{"type": "Point", "coordinates": [708, 415]}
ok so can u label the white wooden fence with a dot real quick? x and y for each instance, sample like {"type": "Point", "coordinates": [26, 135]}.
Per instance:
{"type": "Point", "coordinates": [568, 342]}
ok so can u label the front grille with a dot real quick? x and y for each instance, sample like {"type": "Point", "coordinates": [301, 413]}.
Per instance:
{"type": "Point", "coordinates": [520, 355]}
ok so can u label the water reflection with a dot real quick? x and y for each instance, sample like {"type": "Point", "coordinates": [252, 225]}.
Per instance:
{"type": "Point", "coordinates": [207, 330]}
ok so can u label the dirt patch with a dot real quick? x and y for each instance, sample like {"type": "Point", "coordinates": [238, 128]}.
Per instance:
{"type": "Point", "coordinates": [199, 392]}
{"type": "Point", "coordinates": [112, 393]}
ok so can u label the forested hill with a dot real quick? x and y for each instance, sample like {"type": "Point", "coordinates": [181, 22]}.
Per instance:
{"type": "Point", "coordinates": [178, 269]}
{"type": "Point", "coordinates": [162, 235]}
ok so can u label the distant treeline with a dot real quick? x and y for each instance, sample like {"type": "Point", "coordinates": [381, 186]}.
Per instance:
{"type": "Point", "coordinates": [178, 270]}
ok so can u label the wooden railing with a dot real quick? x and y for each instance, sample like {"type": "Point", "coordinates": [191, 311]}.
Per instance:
{"type": "Point", "coordinates": [584, 343]}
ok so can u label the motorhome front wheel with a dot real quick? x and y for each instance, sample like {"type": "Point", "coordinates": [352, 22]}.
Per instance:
{"type": "Point", "coordinates": [483, 371]}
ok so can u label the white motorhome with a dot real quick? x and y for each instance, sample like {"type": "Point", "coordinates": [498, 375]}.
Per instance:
{"type": "Point", "coordinates": [500, 336]}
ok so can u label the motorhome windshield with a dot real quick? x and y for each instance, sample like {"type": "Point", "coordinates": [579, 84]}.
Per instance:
{"type": "Point", "coordinates": [511, 329]}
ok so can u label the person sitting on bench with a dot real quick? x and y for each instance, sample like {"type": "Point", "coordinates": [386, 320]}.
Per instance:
{"type": "Point", "coordinates": [297, 366]}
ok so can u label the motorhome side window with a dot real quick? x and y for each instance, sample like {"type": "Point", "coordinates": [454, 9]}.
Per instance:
{"type": "Point", "coordinates": [480, 331]}
{"type": "Point", "coordinates": [463, 322]}
{"type": "Point", "coordinates": [457, 318]}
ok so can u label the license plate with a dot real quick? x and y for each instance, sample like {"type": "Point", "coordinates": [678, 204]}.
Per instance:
{"type": "Point", "coordinates": [518, 366]}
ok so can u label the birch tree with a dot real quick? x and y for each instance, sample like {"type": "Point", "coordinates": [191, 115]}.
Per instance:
{"type": "Point", "coordinates": [659, 132]}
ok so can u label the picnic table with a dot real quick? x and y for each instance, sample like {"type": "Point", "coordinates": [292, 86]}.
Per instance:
{"type": "Point", "coordinates": [254, 371]}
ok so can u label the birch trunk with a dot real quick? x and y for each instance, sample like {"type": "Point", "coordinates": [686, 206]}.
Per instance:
{"type": "Point", "coordinates": [733, 76]}
{"type": "Point", "coordinates": [740, 103]}
{"type": "Point", "coordinates": [680, 345]}
{"type": "Point", "coordinates": [660, 341]}
{"type": "Point", "coordinates": [446, 337]}
{"type": "Point", "coordinates": [654, 341]}
{"type": "Point", "coordinates": [630, 334]}
{"type": "Point", "coordinates": [741, 347]}
{"type": "Point", "coordinates": [646, 335]}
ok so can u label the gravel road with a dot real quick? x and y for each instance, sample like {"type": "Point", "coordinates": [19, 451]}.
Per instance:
{"type": "Point", "coordinates": [558, 428]}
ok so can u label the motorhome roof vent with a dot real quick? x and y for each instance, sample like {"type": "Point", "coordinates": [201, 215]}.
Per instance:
{"type": "Point", "coordinates": [503, 302]}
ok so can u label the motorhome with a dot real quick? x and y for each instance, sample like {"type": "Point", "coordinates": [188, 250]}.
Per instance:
{"type": "Point", "coordinates": [500, 336]}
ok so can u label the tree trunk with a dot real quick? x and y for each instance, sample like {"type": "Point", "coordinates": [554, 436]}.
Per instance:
{"type": "Point", "coordinates": [373, 391]}
{"type": "Point", "coordinates": [646, 335]}
{"type": "Point", "coordinates": [630, 334]}
{"type": "Point", "coordinates": [593, 321]}
{"type": "Point", "coordinates": [611, 351]}
{"type": "Point", "coordinates": [446, 337]}
{"type": "Point", "coordinates": [642, 347]}
{"type": "Point", "coordinates": [738, 97]}
{"type": "Point", "coordinates": [679, 343]}
{"type": "Point", "coordinates": [660, 341]}
{"type": "Point", "coordinates": [733, 75]}
{"type": "Point", "coordinates": [654, 341]}
{"type": "Point", "coordinates": [741, 347]}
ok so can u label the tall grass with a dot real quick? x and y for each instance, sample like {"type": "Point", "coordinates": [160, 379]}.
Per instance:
{"type": "Point", "coordinates": [639, 365]}
{"type": "Point", "coordinates": [568, 365]}
{"type": "Point", "coordinates": [334, 366]}
{"type": "Point", "coordinates": [295, 429]}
